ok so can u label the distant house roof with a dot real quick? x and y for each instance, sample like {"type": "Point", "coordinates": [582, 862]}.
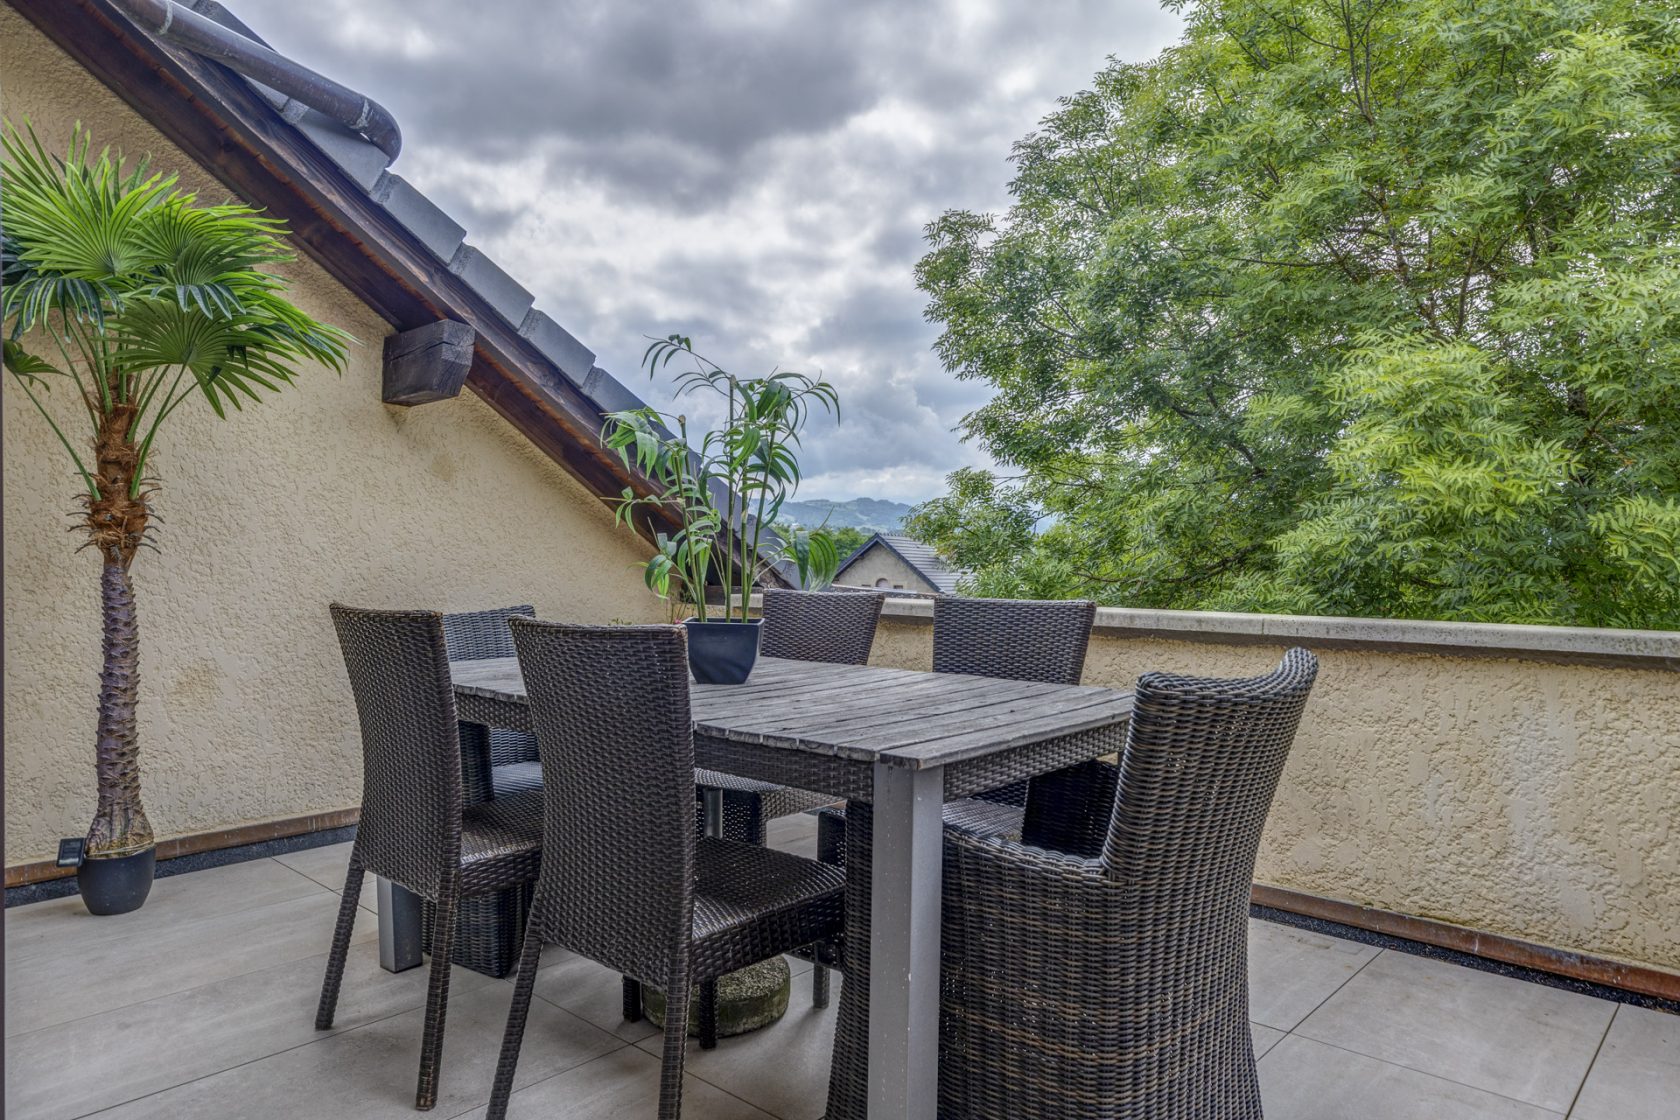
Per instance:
{"type": "Point", "coordinates": [401, 253]}
{"type": "Point", "coordinates": [926, 562]}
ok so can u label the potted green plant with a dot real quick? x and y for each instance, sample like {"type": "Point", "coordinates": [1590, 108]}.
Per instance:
{"type": "Point", "coordinates": [126, 293]}
{"type": "Point", "coordinates": [724, 495]}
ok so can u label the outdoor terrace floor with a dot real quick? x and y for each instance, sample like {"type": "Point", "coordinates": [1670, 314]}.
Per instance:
{"type": "Point", "coordinates": [201, 1007]}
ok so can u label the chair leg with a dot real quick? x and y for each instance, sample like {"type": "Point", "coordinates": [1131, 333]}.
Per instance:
{"type": "Point", "coordinates": [524, 980]}
{"type": "Point", "coordinates": [340, 948]}
{"type": "Point", "coordinates": [676, 1037]}
{"type": "Point", "coordinates": [632, 1000]}
{"type": "Point", "coordinates": [819, 986]}
{"type": "Point", "coordinates": [708, 1014]}
{"type": "Point", "coordinates": [437, 997]}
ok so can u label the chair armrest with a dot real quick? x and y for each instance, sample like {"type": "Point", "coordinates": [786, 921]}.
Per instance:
{"type": "Point", "coordinates": [970, 853]}
{"type": "Point", "coordinates": [1070, 810]}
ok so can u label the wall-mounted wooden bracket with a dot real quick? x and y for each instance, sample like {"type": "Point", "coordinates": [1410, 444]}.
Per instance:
{"type": "Point", "coordinates": [428, 363]}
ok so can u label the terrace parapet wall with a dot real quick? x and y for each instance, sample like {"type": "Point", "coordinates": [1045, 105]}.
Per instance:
{"type": "Point", "coordinates": [1519, 781]}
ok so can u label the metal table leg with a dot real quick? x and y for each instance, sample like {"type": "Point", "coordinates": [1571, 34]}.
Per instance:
{"type": "Point", "coordinates": [712, 804]}
{"type": "Point", "coordinates": [904, 944]}
{"type": "Point", "coordinates": [399, 926]}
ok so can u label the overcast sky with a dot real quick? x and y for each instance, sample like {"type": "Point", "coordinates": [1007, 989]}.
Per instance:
{"type": "Point", "coordinates": [755, 174]}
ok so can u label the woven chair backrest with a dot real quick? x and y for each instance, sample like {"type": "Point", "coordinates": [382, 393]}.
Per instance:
{"type": "Point", "coordinates": [833, 626]}
{"type": "Point", "coordinates": [1201, 764]}
{"type": "Point", "coordinates": [1013, 639]}
{"type": "Point", "coordinates": [410, 830]}
{"type": "Point", "coordinates": [475, 635]}
{"type": "Point", "coordinates": [611, 712]}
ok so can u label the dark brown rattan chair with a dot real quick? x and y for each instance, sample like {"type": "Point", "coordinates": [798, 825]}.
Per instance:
{"type": "Point", "coordinates": [1013, 640]}
{"type": "Point", "coordinates": [495, 762]}
{"type": "Point", "coordinates": [509, 756]}
{"type": "Point", "coordinates": [627, 882]}
{"type": "Point", "coordinates": [1109, 978]}
{"type": "Point", "coordinates": [837, 627]}
{"type": "Point", "coordinates": [414, 830]}
{"type": "Point", "coordinates": [1010, 639]}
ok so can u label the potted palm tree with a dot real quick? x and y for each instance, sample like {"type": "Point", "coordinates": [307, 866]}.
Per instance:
{"type": "Point", "coordinates": [724, 494]}
{"type": "Point", "coordinates": [131, 298]}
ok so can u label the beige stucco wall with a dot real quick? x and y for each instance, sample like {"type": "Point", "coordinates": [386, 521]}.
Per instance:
{"type": "Point", "coordinates": [1519, 797]}
{"type": "Point", "coordinates": [323, 493]}
{"type": "Point", "coordinates": [881, 563]}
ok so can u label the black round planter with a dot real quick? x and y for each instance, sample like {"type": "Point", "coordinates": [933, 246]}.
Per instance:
{"type": "Point", "coordinates": [722, 652]}
{"type": "Point", "coordinates": [116, 886]}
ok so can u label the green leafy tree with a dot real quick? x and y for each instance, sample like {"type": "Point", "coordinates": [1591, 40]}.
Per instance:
{"type": "Point", "coordinates": [846, 539]}
{"type": "Point", "coordinates": [130, 299]}
{"type": "Point", "coordinates": [1359, 307]}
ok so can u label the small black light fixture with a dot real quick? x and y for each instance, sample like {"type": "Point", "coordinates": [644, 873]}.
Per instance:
{"type": "Point", "coordinates": [70, 851]}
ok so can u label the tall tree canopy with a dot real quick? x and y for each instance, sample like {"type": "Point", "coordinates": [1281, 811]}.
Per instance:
{"type": "Point", "coordinates": [1364, 307]}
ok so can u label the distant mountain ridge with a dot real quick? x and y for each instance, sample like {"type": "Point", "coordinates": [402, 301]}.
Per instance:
{"type": "Point", "coordinates": [873, 514]}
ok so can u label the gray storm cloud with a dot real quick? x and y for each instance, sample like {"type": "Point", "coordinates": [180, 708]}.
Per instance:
{"type": "Point", "coordinates": [755, 175]}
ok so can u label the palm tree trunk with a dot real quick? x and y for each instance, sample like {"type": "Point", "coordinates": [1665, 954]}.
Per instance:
{"type": "Point", "coordinates": [119, 826]}
{"type": "Point", "coordinates": [116, 522]}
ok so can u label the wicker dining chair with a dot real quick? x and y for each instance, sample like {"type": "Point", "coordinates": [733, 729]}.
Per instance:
{"type": "Point", "coordinates": [414, 829]}
{"type": "Point", "coordinates": [627, 882]}
{"type": "Point", "coordinates": [837, 627]}
{"type": "Point", "coordinates": [508, 763]}
{"type": "Point", "coordinates": [1109, 978]}
{"type": "Point", "coordinates": [495, 762]}
{"type": "Point", "coordinates": [1010, 639]}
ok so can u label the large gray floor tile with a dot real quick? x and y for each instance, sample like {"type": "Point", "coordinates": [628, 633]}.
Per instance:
{"type": "Point", "coordinates": [796, 834]}
{"type": "Point", "coordinates": [326, 865]}
{"type": "Point", "coordinates": [782, 1069]}
{"type": "Point", "coordinates": [623, 1085]}
{"type": "Point", "coordinates": [370, 1072]}
{"type": "Point", "coordinates": [1305, 1080]}
{"type": "Point", "coordinates": [62, 926]}
{"type": "Point", "coordinates": [155, 1045]}
{"type": "Point", "coordinates": [113, 973]}
{"type": "Point", "coordinates": [1292, 971]}
{"type": "Point", "coordinates": [588, 990]}
{"type": "Point", "coordinates": [595, 993]}
{"type": "Point", "coordinates": [1637, 1073]}
{"type": "Point", "coordinates": [1264, 1038]}
{"type": "Point", "coordinates": [1510, 1037]}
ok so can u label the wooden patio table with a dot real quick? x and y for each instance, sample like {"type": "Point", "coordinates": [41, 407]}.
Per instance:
{"type": "Point", "coordinates": [895, 744]}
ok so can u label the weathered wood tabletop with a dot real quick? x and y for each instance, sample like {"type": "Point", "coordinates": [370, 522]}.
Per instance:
{"type": "Point", "coordinates": [900, 742]}
{"type": "Point", "coordinates": [860, 713]}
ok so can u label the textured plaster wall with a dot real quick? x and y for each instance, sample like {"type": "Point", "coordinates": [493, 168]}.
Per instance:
{"type": "Point", "coordinates": [881, 563]}
{"type": "Point", "coordinates": [1523, 798]}
{"type": "Point", "coordinates": [323, 493]}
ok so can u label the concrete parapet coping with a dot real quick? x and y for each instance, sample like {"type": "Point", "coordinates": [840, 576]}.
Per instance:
{"type": "Point", "coordinates": [1642, 649]}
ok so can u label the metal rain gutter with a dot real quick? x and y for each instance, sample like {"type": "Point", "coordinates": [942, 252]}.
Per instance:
{"type": "Point", "coordinates": [364, 116]}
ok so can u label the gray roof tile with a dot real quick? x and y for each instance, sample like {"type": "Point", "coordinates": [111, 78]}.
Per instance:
{"type": "Point", "coordinates": [486, 277]}
{"type": "Point", "coordinates": [360, 160]}
{"type": "Point", "coordinates": [436, 230]}
{"type": "Point", "coordinates": [609, 392]}
{"type": "Point", "coordinates": [575, 360]}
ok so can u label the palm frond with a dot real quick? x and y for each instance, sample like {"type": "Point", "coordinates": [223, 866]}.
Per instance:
{"type": "Point", "coordinates": [122, 267]}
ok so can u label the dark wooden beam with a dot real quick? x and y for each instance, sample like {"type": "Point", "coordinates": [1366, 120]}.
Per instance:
{"type": "Point", "coordinates": [428, 363]}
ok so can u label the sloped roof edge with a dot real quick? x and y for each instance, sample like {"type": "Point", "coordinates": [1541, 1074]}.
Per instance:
{"type": "Point", "coordinates": [401, 253]}
{"type": "Point", "coordinates": [919, 557]}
